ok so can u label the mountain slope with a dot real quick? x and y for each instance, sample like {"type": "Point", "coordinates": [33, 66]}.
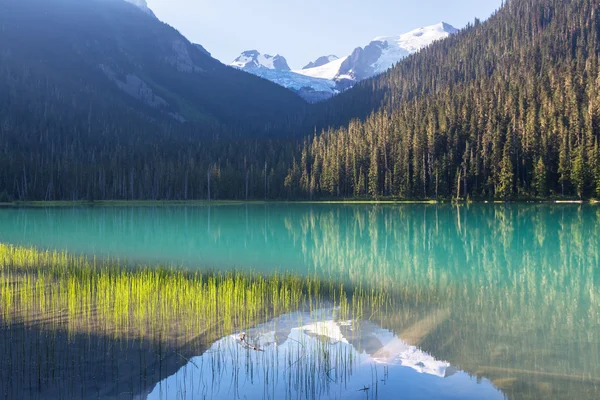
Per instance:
{"type": "Point", "coordinates": [126, 58]}
{"type": "Point", "coordinates": [142, 5]}
{"type": "Point", "coordinates": [329, 75]}
{"type": "Point", "coordinates": [253, 59]}
{"type": "Point", "coordinates": [276, 69]}
{"type": "Point", "coordinates": [379, 55]}
{"type": "Point", "coordinates": [311, 89]}
{"type": "Point", "coordinates": [505, 109]}
{"type": "Point", "coordinates": [100, 100]}
{"type": "Point", "coordinates": [320, 61]}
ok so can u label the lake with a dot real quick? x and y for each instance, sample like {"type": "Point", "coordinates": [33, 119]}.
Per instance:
{"type": "Point", "coordinates": [494, 301]}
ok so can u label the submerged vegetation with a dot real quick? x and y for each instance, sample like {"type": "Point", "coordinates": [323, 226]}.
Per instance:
{"type": "Point", "coordinates": [476, 286]}
{"type": "Point", "coordinates": [78, 327]}
{"type": "Point", "coordinates": [108, 297]}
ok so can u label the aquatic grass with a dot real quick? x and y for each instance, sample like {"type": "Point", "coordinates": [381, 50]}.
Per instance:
{"type": "Point", "coordinates": [157, 303]}
{"type": "Point", "coordinates": [65, 312]}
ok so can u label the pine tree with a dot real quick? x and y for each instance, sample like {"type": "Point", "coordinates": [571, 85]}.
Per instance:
{"type": "Point", "coordinates": [374, 174]}
{"type": "Point", "coordinates": [579, 173]}
{"type": "Point", "coordinates": [597, 171]}
{"type": "Point", "coordinates": [506, 178]}
{"type": "Point", "coordinates": [360, 187]}
{"type": "Point", "coordinates": [540, 178]}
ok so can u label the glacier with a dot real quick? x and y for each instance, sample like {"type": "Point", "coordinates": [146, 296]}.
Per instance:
{"type": "Point", "coordinates": [329, 75]}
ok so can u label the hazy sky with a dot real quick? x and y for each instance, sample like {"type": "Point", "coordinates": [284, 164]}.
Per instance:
{"type": "Point", "coordinates": [303, 30]}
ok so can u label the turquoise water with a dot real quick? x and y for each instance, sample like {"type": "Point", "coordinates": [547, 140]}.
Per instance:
{"type": "Point", "coordinates": [508, 295]}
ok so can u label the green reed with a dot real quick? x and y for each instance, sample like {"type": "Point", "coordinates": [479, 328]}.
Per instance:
{"type": "Point", "coordinates": [107, 297]}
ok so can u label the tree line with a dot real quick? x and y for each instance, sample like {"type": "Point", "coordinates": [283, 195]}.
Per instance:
{"type": "Point", "coordinates": [505, 109]}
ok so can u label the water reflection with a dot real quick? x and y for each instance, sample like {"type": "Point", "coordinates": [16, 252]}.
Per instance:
{"type": "Point", "coordinates": [316, 356]}
{"type": "Point", "coordinates": [509, 293]}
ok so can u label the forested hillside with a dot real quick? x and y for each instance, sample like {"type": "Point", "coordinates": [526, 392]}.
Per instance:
{"type": "Point", "coordinates": [101, 101]}
{"type": "Point", "coordinates": [509, 108]}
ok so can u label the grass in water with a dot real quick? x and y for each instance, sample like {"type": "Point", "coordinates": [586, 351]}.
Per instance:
{"type": "Point", "coordinates": [77, 326]}
{"type": "Point", "coordinates": [84, 295]}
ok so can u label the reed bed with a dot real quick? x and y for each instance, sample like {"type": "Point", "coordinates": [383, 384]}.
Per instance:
{"type": "Point", "coordinates": [73, 326]}
{"type": "Point", "coordinates": [86, 295]}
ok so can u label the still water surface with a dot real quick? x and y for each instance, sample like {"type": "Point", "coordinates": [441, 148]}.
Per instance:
{"type": "Point", "coordinates": [498, 300]}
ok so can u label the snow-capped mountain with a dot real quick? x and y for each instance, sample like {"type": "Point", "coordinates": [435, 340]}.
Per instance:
{"type": "Point", "coordinates": [142, 5]}
{"type": "Point", "coordinates": [326, 71]}
{"type": "Point", "coordinates": [276, 69]}
{"type": "Point", "coordinates": [253, 59]}
{"type": "Point", "coordinates": [374, 344]}
{"type": "Point", "coordinates": [311, 89]}
{"type": "Point", "coordinates": [380, 54]}
{"type": "Point", "coordinates": [329, 75]}
{"type": "Point", "coordinates": [321, 61]}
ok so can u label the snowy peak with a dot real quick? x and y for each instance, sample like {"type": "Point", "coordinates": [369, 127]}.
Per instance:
{"type": "Point", "coordinates": [254, 59]}
{"type": "Point", "coordinates": [417, 39]}
{"type": "Point", "coordinates": [142, 5]}
{"type": "Point", "coordinates": [380, 54]}
{"type": "Point", "coordinates": [321, 61]}
{"type": "Point", "coordinates": [395, 48]}
{"type": "Point", "coordinates": [329, 75]}
{"type": "Point", "coordinates": [277, 70]}
{"type": "Point", "coordinates": [325, 71]}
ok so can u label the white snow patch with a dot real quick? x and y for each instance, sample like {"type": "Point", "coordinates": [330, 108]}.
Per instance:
{"type": "Point", "coordinates": [265, 61]}
{"type": "Point", "coordinates": [400, 47]}
{"type": "Point", "coordinates": [329, 329]}
{"type": "Point", "coordinates": [293, 80]}
{"type": "Point", "coordinates": [260, 61]}
{"type": "Point", "coordinates": [397, 352]}
{"type": "Point", "coordinates": [327, 71]}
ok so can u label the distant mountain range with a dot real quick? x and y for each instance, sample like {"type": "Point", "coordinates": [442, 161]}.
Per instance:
{"type": "Point", "coordinates": [101, 100]}
{"type": "Point", "coordinates": [108, 56]}
{"type": "Point", "coordinates": [329, 75]}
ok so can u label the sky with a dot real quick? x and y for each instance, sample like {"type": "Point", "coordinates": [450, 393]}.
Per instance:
{"type": "Point", "coordinates": [302, 31]}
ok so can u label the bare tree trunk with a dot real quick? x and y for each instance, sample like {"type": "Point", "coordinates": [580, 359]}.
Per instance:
{"type": "Point", "coordinates": [208, 180]}
{"type": "Point", "coordinates": [185, 190]}
{"type": "Point", "coordinates": [437, 182]}
{"type": "Point", "coordinates": [131, 183]}
{"type": "Point", "coordinates": [458, 187]}
{"type": "Point", "coordinates": [465, 178]}
{"type": "Point", "coordinates": [247, 178]}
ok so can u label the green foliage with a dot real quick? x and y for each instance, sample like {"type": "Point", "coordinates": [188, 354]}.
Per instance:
{"type": "Point", "coordinates": [108, 298]}
{"type": "Point", "coordinates": [579, 172]}
{"type": "Point", "coordinates": [596, 158]}
{"type": "Point", "coordinates": [540, 179]}
{"type": "Point", "coordinates": [68, 132]}
{"type": "Point", "coordinates": [529, 75]}
{"type": "Point", "coordinates": [505, 179]}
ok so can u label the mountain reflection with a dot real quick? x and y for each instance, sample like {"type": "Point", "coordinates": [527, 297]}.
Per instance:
{"type": "Point", "coordinates": [521, 284]}
{"type": "Point", "coordinates": [505, 292]}
{"type": "Point", "coordinates": [315, 355]}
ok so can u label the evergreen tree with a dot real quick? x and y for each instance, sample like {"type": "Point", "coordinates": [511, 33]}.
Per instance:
{"type": "Point", "coordinates": [540, 178]}
{"type": "Point", "coordinates": [506, 178]}
{"type": "Point", "coordinates": [579, 171]}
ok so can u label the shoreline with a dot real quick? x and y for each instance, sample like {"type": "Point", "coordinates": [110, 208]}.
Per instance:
{"type": "Point", "coordinates": [154, 203]}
